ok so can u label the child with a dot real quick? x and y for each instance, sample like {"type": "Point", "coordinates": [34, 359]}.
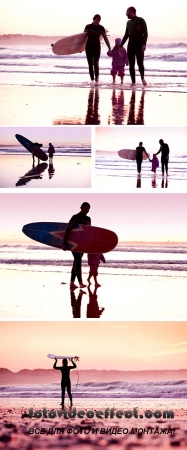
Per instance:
{"type": "Point", "coordinates": [155, 163]}
{"type": "Point", "coordinates": [94, 261]}
{"type": "Point", "coordinates": [119, 60]}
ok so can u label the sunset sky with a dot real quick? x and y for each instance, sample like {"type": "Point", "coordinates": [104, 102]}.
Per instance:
{"type": "Point", "coordinates": [57, 17]}
{"type": "Point", "coordinates": [134, 217]}
{"type": "Point", "coordinates": [117, 138]}
{"type": "Point", "coordinates": [108, 345]}
{"type": "Point", "coordinates": [44, 135]}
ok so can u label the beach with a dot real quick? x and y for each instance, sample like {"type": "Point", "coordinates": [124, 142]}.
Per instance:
{"type": "Point", "coordinates": [77, 105]}
{"type": "Point", "coordinates": [17, 171]}
{"type": "Point", "coordinates": [132, 295]}
{"type": "Point", "coordinates": [40, 88]}
{"type": "Point", "coordinates": [15, 425]}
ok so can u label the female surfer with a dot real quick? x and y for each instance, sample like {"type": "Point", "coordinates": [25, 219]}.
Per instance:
{"type": "Point", "coordinates": [93, 46]}
{"type": "Point", "coordinates": [65, 382]}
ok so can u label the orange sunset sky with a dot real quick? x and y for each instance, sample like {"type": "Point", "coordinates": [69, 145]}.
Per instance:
{"type": "Point", "coordinates": [108, 345]}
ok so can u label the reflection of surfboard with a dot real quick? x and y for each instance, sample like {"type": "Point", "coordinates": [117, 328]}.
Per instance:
{"type": "Point", "coordinates": [70, 44]}
{"type": "Point", "coordinates": [51, 356]}
{"type": "Point", "coordinates": [130, 154]}
{"type": "Point", "coordinates": [32, 174]}
{"type": "Point", "coordinates": [40, 154]}
{"type": "Point", "coordinates": [82, 238]}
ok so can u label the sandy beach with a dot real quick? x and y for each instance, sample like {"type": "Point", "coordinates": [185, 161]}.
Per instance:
{"type": "Point", "coordinates": [76, 105]}
{"type": "Point", "coordinates": [138, 296]}
{"type": "Point", "coordinates": [15, 425]}
{"type": "Point", "coordinates": [129, 183]}
{"type": "Point", "coordinates": [17, 171]}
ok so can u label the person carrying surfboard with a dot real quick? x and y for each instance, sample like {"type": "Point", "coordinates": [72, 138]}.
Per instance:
{"type": "Point", "coordinates": [139, 156]}
{"type": "Point", "coordinates": [93, 46]}
{"type": "Point", "coordinates": [136, 32]}
{"type": "Point", "coordinates": [65, 381]}
{"type": "Point", "coordinates": [33, 147]}
{"type": "Point", "coordinates": [80, 218]}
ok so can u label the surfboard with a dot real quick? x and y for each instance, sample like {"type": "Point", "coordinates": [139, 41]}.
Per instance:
{"type": "Point", "coordinates": [40, 154]}
{"type": "Point", "coordinates": [130, 154]}
{"type": "Point", "coordinates": [82, 238]}
{"type": "Point", "coordinates": [70, 44]}
{"type": "Point", "coordinates": [51, 356]}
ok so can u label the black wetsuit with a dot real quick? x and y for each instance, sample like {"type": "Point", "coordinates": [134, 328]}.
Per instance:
{"type": "Point", "coordinates": [93, 48]}
{"type": "Point", "coordinates": [76, 268]}
{"type": "Point", "coordinates": [139, 157]}
{"type": "Point", "coordinates": [164, 150]}
{"type": "Point", "coordinates": [65, 381]}
{"type": "Point", "coordinates": [136, 32]}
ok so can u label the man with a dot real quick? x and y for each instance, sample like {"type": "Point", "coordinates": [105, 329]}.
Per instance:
{"type": "Point", "coordinates": [164, 150]}
{"type": "Point", "coordinates": [136, 32]}
{"type": "Point", "coordinates": [65, 381]}
{"type": "Point", "coordinates": [80, 218]}
{"type": "Point", "coordinates": [139, 156]}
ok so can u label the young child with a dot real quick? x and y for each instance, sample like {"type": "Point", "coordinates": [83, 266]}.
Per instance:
{"type": "Point", "coordinates": [119, 60]}
{"type": "Point", "coordinates": [155, 163]}
{"type": "Point", "coordinates": [94, 261]}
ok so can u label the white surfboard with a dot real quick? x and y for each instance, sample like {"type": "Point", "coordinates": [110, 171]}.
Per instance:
{"type": "Point", "coordinates": [51, 356]}
{"type": "Point", "coordinates": [130, 154]}
{"type": "Point", "coordinates": [70, 44]}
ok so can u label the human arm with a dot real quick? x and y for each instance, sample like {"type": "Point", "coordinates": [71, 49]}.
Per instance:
{"type": "Point", "coordinates": [102, 258]}
{"type": "Point", "coordinates": [74, 365]}
{"type": "Point", "coordinates": [54, 365]}
{"type": "Point", "coordinates": [69, 227]}
{"type": "Point", "coordinates": [106, 40]}
{"type": "Point", "coordinates": [158, 151]}
{"type": "Point", "coordinates": [125, 37]}
{"type": "Point", "coordinates": [145, 34]}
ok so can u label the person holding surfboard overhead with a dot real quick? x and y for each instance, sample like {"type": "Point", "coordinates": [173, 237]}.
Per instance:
{"type": "Point", "coordinates": [136, 32]}
{"type": "Point", "coordinates": [80, 218]}
{"type": "Point", "coordinates": [139, 156]}
{"type": "Point", "coordinates": [65, 381]}
{"type": "Point", "coordinates": [93, 46]}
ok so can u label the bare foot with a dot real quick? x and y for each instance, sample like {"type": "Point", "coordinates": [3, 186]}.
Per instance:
{"type": "Point", "coordinates": [144, 82]}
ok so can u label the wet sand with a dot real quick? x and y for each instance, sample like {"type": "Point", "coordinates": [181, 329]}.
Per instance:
{"type": "Point", "coordinates": [15, 425]}
{"type": "Point", "coordinates": [129, 183]}
{"type": "Point", "coordinates": [137, 295]}
{"type": "Point", "coordinates": [76, 105]}
{"type": "Point", "coordinates": [17, 171]}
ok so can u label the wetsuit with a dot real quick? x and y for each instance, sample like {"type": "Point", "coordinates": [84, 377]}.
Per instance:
{"type": "Point", "coordinates": [139, 157]}
{"type": "Point", "coordinates": [164, 150]}
{"type": "Point", "coordinates": [76, 269]}
{"type": "Point", "coordinates": [65, 381]}
{"type": "Point", "coordinates": [136, 32]}
{"type": "Point", "coordinates": [93, 48]}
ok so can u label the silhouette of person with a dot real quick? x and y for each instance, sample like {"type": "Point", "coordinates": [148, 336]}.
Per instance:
{"type": "Point", "coordinates": [164, 150]}
{"type": "Point", "coordinates": [65, 381]}
{"type": "Point", "coordinates": [139, 156]}
{"type": "Point", "coordinates": [80, 218]}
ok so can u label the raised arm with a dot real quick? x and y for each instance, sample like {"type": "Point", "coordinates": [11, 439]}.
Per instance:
{"type": "Point", "coordinates": [54, 365]}
{"type": "Point", "coordinates": [74, 365]}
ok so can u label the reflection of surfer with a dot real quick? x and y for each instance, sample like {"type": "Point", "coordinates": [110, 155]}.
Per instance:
{"type": "Point", "coordinates": [94, 261]}
{"type": "Point", "coordinates": [136, 32]}
{"type": "Point", "coordinates": [139, 118]}
{"type": "Point", "coordinates": [80, 218]}
{"type": "Point", "coordinates": [33, 147]}
{"type": "Point", "coordinates": [92, 115]}
{"type": "Point", "coordinates": [51, 150]}
{"type": "Point", "coordinates": [93, 46]}
{"type": "Point", "coordinates": [76, 303]}
{"type": "Point", "coordinates": [139, 156]}
{"type": "Point", "coordinates": [65, 381]}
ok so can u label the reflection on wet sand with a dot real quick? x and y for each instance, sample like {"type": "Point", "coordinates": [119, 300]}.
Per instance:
{"type": "Point", "coordinates": [34, 173]}
{"type": "Point", "coordinates": [121, 114]}
{"type": "Point", "coordinates": [93, 309]}
{"type": "Point", "coordinates": [92, 115]}
{"type": "Point", "coordinates": [166, 183]}
{"type": "Point", "coordinates": [136, 119]}
{"type": "Point", "coordinates": [51, 169]}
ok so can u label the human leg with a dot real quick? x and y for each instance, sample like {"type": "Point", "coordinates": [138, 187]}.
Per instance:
{"type": "Point", "coordinates": [140, 62]}
{"type": "Point", "coordinates": [77, 268]}
{"type": "Point", "coordinates": [63, 393]}
{"type": "Point", "coordinates": [89, 55]}
{"type": "Point", "coordinates": [96, 56]}
{"type": "Point", "coordinates": [131, 52]}
{"type": "Point", "coordinates": [69, 391]}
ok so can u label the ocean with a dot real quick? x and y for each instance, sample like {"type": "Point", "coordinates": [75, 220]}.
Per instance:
{"type": "Point", "coordinates": [62, 150]}
{"type": "Point", "coordinates": [103, 390]}
{"type": "Point", "coordinates": [114, 166]}
{"type": "Point", "coordinates": [136, 259]}
{"type": "Point", "coordinates": [36, 65]}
